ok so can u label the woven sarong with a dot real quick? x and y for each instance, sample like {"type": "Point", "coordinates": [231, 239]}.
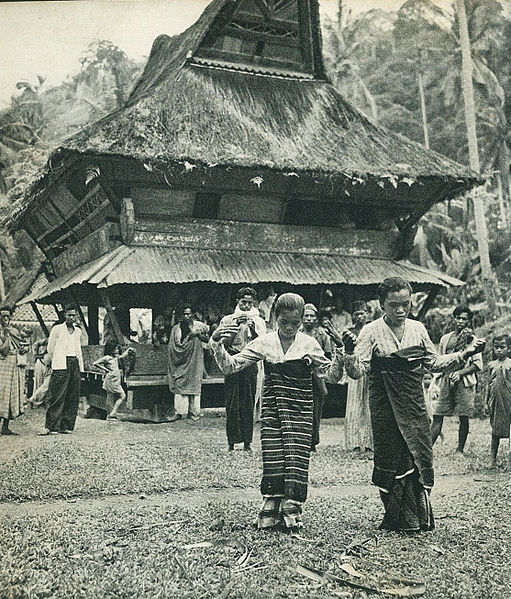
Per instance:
{"type": "Point", "coordinates": [12, 387]}
{"type": "Point", "coordinates": [499, 400]}
{"type": "Point", "coordinates": [286, 429]}
{"type": "Point", "coordinates": [403, 456]}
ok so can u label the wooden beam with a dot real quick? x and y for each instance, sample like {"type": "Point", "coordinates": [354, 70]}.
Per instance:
{"type": "Point", "coordinates": [92, 313]}
{"type": "Point", "coordinates": [111, 315]}
{"type": "Point", "coordinates": [40, 318]}
{"type": "Point", "coordinates": [428, 303]}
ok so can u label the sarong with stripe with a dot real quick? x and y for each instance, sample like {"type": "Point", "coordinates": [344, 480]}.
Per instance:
{"type": "Point", "coordinates": [403, 455]}
{"type": "Point", "coordinates": [286, 429]}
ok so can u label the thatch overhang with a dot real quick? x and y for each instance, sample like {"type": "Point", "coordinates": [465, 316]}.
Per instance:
{"type": "Point", "coordinates": [202, 115]}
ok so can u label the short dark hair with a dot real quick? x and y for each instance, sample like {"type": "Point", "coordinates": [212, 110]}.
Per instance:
{"type": "Point", "coordinates": [69, 307]}
{"type": "Point", "coordinates": [502, 337]}
{"type": "Point", "coordinates": [462, 309]}
{"type": "Point", "coordinates": [289, 301]}
{"type": "Point", "coordinates": [6, 309]}
{"type": "Point", "coordinates": [392, 284]}
{"type": "Point", "coordinates": [185, 307]}
{"type": "Point", "coordinates": [247, 291]}
{"type": "Point", "coordinates": [110, 347]}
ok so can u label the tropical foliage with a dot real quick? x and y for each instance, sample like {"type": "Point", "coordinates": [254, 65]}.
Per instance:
{"type": "Point", "coordinates": [377, 61]}
{"type": "Point", "coordinates": [39, 117]}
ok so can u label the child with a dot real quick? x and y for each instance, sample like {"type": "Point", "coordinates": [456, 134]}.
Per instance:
{"type": "Point", "coordinates": [498, 394]}
{"type": "Point", "coordinates": [109, 364]}
{"type": "Point", "coordinates": [290, 358]}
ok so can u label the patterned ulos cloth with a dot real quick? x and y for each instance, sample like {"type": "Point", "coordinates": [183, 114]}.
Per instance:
{"type": "Point", "coordinates": [286, 419]}
{"type": "Point", "coordinates": [286, 433]}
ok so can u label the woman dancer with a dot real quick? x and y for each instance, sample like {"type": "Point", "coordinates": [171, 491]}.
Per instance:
{"type": "Point", "coordinates": [290, 357]}
{"type": "Point", "coordinates": [393, 351]}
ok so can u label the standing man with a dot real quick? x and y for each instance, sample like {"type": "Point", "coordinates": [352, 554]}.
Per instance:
{"type": "Point", "coordinates": [341, 320]}
{"type": "Point", "coordinates": [65, 357]}
{"type": "Point", "coordinates": [186, 365]}
{"type": "Point", "coordinates": [457, 390]}
{"type": "Point", "coordinates": [358, 434]}
{"type": "Point", "coordinates": [12, 371]}
{"type": "Point", "coordinates": [312, 328]}
{"type": "Point", "coordinates": [240, 387]}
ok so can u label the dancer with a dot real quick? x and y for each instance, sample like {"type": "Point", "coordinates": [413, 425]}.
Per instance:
{"type": "Point", "coordinates": [290, 357]}
{"type": "Point", "coordinates": [12, 372]}
{"type": "Point", "coordinates": [498, 395]}
{"type": "Point", "coordinates": [393, 350]}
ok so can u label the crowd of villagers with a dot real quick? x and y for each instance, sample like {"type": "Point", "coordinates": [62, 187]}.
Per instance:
{"type": "Point", "coordinates": [385, 361]}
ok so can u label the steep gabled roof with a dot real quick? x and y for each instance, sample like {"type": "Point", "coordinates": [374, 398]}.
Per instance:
{"type": "Point", "coordinates": [204, 100]}
{"type": "Point", "coordinates": [189, 105]}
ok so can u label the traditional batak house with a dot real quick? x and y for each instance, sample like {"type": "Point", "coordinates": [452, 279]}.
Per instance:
{"type": "Point", "coordinates": [235, 161]}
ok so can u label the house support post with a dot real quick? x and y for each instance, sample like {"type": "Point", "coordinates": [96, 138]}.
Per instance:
{"type": "Point", "coordinates": [111, 315]}
{"type": "Point", "coordinates": [93, 316]}
{"type": "Point", "coordinates": [39, 317]}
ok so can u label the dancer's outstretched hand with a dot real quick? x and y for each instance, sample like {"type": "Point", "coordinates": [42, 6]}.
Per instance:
{"type": "Point", "coordinates": [476, 346]}
{"type": "Point", "coordinates": [350, 340]}
{"type": "Point", "coordinates": [333, 333]}
{"type": "Point", "coordinates": [225, 333]}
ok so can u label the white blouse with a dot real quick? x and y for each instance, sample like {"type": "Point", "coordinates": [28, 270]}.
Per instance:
{"type": "Point", "coordinates": [377, 338]}
{"type": "Point", "coordinates": [268, 347]}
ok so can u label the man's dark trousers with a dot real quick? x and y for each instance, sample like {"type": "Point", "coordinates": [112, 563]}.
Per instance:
{"type": "Point", "coordinates": [64, 397]}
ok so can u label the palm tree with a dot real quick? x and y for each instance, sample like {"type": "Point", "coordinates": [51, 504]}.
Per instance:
{"type": "Point", "coordinates": [473, 150]}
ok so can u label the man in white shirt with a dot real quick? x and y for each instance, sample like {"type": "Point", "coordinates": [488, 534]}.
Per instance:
{"type": "Point", "coordinates": [65, 357]}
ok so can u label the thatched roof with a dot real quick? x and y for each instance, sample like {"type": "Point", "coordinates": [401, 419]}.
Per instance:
{"type": "Point", "coordinates": [207, 112]}
{"type": "Point", "coordinates": [181, 111]}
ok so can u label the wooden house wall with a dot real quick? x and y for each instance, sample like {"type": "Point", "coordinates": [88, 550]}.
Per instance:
{"type": "Point", "coordinates": [216, 234]}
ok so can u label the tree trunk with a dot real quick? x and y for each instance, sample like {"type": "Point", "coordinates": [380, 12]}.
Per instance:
{"type": "Point", "coordinates": [502, 203]}
{"type": "Point", "coordinates": [489, 280]}
{"type": "Point", "coordinates": [503, 161]}
{"type": "Point", "coordinates": [2, 285]}
{"type": "Point", "coordinates": [423, 107]}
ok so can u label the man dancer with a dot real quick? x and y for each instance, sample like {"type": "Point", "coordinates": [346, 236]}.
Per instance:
{"type": "Point", "coordinates": [65, 357]}
{"type": "Point", "coordinates": [457, 389]}
{"type": "Point", "coordinates": [12, 373]}
{"type": "Point", "coordinates": [240, 387]}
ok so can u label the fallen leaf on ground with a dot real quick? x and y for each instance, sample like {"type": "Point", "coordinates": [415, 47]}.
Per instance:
{"type": "Point", "coordinates": [198, 545]}
{"type": "Point", "coordinates": [412, 588]}
{"type": "Point", "coordinates": [347, 567]}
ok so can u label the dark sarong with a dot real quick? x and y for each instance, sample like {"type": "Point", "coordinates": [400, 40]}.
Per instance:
{"type": "Point", "coordinates": [286, 429]}
{"type": "Point", "coordinates": [499, 400]}
{"type": "Point", "coordinates": [403, 455]}
{"type": "Point", "coordinates": [318, 393]}
{"type": "Point", "coordinates": [240, 390]}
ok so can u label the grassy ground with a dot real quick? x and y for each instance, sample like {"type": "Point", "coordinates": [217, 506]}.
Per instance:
{"type": "Point", "coordinates": [109, 511]}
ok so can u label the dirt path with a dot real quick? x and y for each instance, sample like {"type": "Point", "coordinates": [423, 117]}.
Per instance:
{"type": "Point", "coordinates": [450, 485]}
